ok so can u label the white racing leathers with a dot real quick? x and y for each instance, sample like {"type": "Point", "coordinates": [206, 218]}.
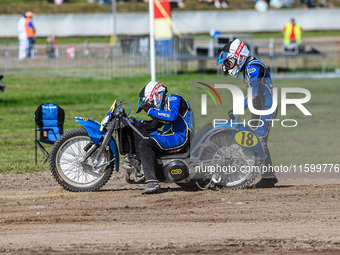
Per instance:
{"type": "Point", "coordinates": [23, 41]}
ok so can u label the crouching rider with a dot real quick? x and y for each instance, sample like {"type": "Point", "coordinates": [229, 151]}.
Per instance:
{"type": "Point", "coordinates": [172, 112]}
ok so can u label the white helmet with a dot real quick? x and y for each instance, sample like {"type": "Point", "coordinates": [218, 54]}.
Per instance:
{"type": "Point", "coordinates": [154, 92]}
{"type": "Point", "coordinates": [233, 55]}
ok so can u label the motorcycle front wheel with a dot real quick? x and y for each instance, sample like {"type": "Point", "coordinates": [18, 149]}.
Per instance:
{"type": "Point", "coordinates": [70, 168]}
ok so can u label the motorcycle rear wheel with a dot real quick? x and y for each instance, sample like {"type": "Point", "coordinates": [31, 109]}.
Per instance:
{"type": "Point", "coordinates": [66, 158]}
{"type": "Point", "coordinates": [235, 161]}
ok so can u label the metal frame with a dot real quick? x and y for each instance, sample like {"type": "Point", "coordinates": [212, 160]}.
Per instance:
{"type": "Point", "coordinates": [38, 142]}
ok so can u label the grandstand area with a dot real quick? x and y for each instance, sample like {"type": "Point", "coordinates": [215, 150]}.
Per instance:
{"type": "Point", "coordinates": [88, 6]}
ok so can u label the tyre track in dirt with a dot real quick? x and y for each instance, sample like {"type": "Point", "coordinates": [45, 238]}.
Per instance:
{"type": "Point", "coordinates": [38, 217]}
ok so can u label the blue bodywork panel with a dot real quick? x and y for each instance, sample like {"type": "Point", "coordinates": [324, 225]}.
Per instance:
{"type": "Point", "coordinates": [93, 129]}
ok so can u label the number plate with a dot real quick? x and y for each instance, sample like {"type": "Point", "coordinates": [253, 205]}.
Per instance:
{"type": "Point", "coordinates": [246, 139]}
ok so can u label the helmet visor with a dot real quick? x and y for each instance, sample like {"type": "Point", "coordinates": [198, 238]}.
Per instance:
{"type": "Point", "coordinates": [140, 101]}
{"type": "Point", "coordinates": [223, 56]}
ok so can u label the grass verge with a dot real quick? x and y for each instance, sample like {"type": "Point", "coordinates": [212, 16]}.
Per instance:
{"type": "Point", "coordinates": [314, 140]}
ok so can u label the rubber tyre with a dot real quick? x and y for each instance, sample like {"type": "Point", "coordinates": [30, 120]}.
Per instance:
{"type": "Point", "coordinates": [222, 147]}
{"type": "Point", "coordinates": [64, 160]}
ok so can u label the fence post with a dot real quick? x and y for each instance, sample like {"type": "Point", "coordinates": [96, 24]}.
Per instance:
{"type": "Point", "coordinates": [7, 55]}
{"type": "Point", "coordinates": [174, 58]}
{"type": "Point", "coordinates": [132, 61]}
{"type": "Point", "coordinates": [56, 64]}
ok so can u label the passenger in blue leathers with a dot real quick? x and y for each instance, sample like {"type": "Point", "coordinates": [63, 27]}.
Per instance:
{"type": "Point", "coordinates": [175, 114]}
{"type": "Point", "coordinates": [235, 58]}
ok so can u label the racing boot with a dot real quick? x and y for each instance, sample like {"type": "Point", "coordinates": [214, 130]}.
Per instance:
{"type": "Point", "coordinates": [266, 183]}
{"type": "Point", "coordinates": [152, 188]}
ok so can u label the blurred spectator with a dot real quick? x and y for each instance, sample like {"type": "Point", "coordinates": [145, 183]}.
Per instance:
{"type": "Point", "coordinates": [292, 33]}
{"type": "Point", "coordinates": [176, 3]}
{"type": "Point", "coordinates": [287, 3]}
{"type": "Point", "coordinates": [56, 1]}
{"type": "Point", "coordinates": [51, 47]}
{"type": "Point", "coordinates": [261, 6]}
{"type": "Point", "coordinates": [106, 1]}
{"type": "Point", "coordinates": [310, 3]}
{"type": "Point", "coordinates": [326, 4]}
{"type": "Point", "coordinates": [206, 1]}
{"type": "Point", "coordinates": [221, 3]}
{"type": "Point", "coordinates": [23, 42]}
{"type": "Point", "coordinates": [30, 33]}
{"type": "Point", "coordinates": [276, 4]}
{"type": "Point", "coordinates": [218, 3]}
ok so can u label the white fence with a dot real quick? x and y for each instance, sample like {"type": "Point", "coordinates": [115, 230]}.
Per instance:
{"type": "Point", "coordinates": [93, 63]}
{"type": "Point", "coordinates": [131, 58]}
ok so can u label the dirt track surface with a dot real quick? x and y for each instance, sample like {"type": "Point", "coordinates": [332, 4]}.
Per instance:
{"type": "Point", "coordinates": [39, 217]}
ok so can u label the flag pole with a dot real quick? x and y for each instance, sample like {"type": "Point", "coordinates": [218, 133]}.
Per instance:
{"type": "Point", "coordinates": [152, 41]}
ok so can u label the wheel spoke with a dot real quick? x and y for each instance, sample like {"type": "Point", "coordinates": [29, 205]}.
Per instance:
{"type": "Point", "coordinates": [221, 150]}
{"type": "Point", "coordinates": [70, 164]}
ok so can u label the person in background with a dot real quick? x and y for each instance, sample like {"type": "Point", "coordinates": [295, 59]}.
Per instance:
{"type": "Point", "coordinates": [310, 4]}
{"type": "Point", "coordinates": [261, 6]}
{"type": "Point", "coordinates": [218, 3]}
{"type": "Point", "coordinates": [30, 33]}
{"type": "Point", "coordinates": [292, 34]}
{"type": "Point", "coordinates": [51, 47]}
{"type": "Point", "coordinates": [235, 58]}
{"type": "Point", "coordinates": [23, 42]}
{"type": "Point", "coordinates": [221, 4]}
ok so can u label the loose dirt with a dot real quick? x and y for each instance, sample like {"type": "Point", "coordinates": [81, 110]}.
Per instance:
{"type": "Point", "coordinates": [37, 216]}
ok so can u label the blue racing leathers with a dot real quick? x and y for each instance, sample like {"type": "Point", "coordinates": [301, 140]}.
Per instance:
{"type": "Point", "coordinates": [179, 123]}
{"type": "Point", "coordinates": [258, 78]}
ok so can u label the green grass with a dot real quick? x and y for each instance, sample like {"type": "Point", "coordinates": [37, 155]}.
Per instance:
{"type": "Point", "coordinates": [314, 140]}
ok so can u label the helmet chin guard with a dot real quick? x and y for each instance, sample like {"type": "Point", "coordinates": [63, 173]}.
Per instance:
{"type": "Point", "coordinates": [154, 93]}
{"type": "Point", "coordinates": [235, 71]}
{"type": "Point", "coordinates": [234, 54]}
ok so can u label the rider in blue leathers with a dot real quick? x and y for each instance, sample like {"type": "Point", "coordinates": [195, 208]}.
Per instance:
{"type": "Point", "coordinates": [176, 114]}
{"type": "Point", "coordinates": [235, 57]}
{"type": "Point", "coordinates": [257, 76]}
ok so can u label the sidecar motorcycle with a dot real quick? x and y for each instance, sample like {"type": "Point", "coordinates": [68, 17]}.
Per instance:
{"type": "Point", "coordinates": [225, 156]}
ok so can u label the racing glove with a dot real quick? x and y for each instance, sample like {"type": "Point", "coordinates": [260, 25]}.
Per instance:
{"type": "Point", "coordinates": [146, 106]}
{"type": "Point", "coordinates": [224, 68]}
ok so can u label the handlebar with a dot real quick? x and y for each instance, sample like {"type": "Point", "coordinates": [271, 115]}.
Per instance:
{"type": "Point", "coordinates": [121, 110]}
{"type": "Point", "coordinates": [134, 128]}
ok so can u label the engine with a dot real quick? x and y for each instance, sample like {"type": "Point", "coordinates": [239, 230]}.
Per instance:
{"type": "Point", "coordinates": [175, 170]}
